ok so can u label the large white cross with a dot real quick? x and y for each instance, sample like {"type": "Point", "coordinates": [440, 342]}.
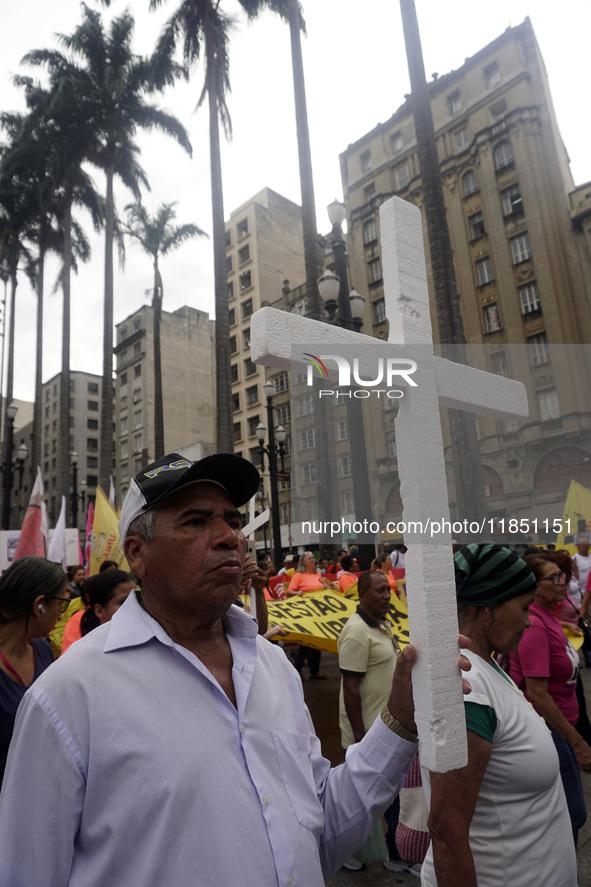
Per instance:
{"type": "Point", "coordinates": [281, 340]}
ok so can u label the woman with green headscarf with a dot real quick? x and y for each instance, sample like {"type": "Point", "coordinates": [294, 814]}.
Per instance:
{"type": "Point", "coordinates": [493, 822]}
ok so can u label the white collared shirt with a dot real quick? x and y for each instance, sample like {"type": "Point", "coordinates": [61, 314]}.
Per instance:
{"type": "Point", "coordinates": [130, 766]}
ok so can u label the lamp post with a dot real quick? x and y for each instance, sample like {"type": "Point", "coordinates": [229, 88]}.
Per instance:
{"type": "Point", "coordinates": [272, 450]}
{"type": "Point", "coordinates": [261, 508]}
{"type": "Point", "coordinates": [76, 497]}
{"type": "Point", "coordinates": [345, 308]}
{"type": "Point", "coordinates": [10, 464]}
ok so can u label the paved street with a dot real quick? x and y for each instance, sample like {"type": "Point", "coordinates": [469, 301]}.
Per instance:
{"type": "Point", "coordinates": [322, 700]}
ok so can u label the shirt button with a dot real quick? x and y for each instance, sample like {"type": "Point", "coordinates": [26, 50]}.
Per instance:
{"type": "Point", "coordinates": [242, 729]}
{"type": "Point", "coordinates": [289, 881]}
{"type": "Point", "coordinates": [265, 799]}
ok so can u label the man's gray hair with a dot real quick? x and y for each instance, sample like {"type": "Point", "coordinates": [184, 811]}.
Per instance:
{"type": "Point", "coordinates": [143, 525]}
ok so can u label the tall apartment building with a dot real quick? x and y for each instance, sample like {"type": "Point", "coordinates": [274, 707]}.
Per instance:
{"type": "Point", "coordinates": [264, 250]}
{"type": "Point", "coordinates": [188, 367]}
{"type": "Point", "coordinates": [85, 397]}
{"type": "Point", "coordinates": [521, 236]}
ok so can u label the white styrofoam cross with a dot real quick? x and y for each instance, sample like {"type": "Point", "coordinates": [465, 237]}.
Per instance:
{"type": "Point", "coordinates": [282, 340]}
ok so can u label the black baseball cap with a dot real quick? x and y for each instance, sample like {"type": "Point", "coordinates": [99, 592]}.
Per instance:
{"type": "Point", "coordinates": [238, 477]}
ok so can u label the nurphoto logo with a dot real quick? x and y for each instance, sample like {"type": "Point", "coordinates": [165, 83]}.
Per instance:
{"type": "Point", "coordinates": [388, 369]}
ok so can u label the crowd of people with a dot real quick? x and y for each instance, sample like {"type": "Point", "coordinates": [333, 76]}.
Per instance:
{"type": "Point", "coordinates": [173, 714]}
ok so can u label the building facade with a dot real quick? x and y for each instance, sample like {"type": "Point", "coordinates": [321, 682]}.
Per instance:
{"type": "Point", "coordinates": [188, 372]}
{"type": "Point", "coordinates": [521, 235]}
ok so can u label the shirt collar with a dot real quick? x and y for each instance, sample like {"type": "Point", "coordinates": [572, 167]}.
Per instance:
{"type": "Point", "coordinates": [132, 626]}
{"type": "Point", "coordinates": [368, 620]}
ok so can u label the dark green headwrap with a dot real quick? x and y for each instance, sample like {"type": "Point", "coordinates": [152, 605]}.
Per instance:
{"type": "Point", "coordinates": [487, 575]}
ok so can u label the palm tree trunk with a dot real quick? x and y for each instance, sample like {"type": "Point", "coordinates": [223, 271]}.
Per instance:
{"type": "Point", "coordinates": [9, 370]}
{"type": "Point", "coordinates": [158, 404]}
{"type": "Point", "coordinates": [225, 437]}
{"type": "Point", "coordinates": [468, 474]}
{"type": "Point", "coordinates": [38, 407]}
{"type": "Point", "coordinates": [63, 473]}
{"type": "Point", "coordinates": [106, 423]}
{"type": "Point", "coordinates": [312, 251]}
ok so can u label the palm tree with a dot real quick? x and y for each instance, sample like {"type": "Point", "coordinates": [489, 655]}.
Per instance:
{"type": "Point", "coordinates": [469, 479]}
{"type": "Point", "coordinates": [110, 84]}
{"type": "Point", "coordinates": [158, 236]}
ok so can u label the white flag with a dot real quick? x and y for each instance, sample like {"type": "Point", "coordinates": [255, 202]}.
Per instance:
{"type": "Point", "coordinates": [57, 543]}
{"type": "Point", "coordinates": [111, 491]}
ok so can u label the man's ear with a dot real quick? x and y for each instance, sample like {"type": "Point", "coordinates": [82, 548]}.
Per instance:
{"type": "Point", "coordinates": [135, 547]}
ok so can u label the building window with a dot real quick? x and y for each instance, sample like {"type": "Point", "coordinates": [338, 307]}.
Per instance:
{"type": "Point", "coordinates": [454, 100]}
{"type": "Point", "coordinates": [492, 74]}
{"type": "Point", "coordinates": [92, 405]}
{"type": "Point", "coordinates": [137, 395]}
{"type": "Point", "coordinates": [520, 248]}
{"type": "Point", "coordinates": [283, 414]}
{"type": "Point", "coordinates": [228, 239]}
{"type": "Point", "coordinates": [305, 407]}
{"type": "Point", "coordinates": [243, 254]}
{"type": "Point", "coordinates": [484, 271]}
{"type": "Point", "coordinates": [369, 192]}
{"type": "Point", "coordinates": [396, 141]}
{"type": "Point", "coordinates": [365, 160]}
{"type": "Point", "coordinates": [92, 387]}
{"type": "Point", "coordinates": [375, 270]}
{"type": "Point", "coordinates": [249, 367]}
{"type": "Point", "coordinates": [281, 383]}
{"type": "Point", "coordinates": [307, 441]}
{"type": "Point", "coordinates": [246, 338]}
{"type": "Point", "coordinates": [253, 423]}
{"type": "Point", "coordinates": [462, 139]}
{"type": "Point", "coordinates": [236, 401]}
{"type": "Point", "coordinates": [138, 441]}
{"type": "Point", "coordinates": [137, 418]}
{"type": "Point", "coordinates": [476, 225]}
{"type": "Point", "coordinates": [91, 480]}
{"type": "Point", "coordinates": [137, 324]}
{"type": "Point", "coordinates": [310, 473]}
{"type": "Point", "coordinates": [123, 379]}
{"type": "Point", "coordinates": [233, 348]}
{"type": "Point", "coordinates": [231, 317]}
{"type": "Point", "coordinates": [530, 298]}
{"type": "Point", "coordinates": [401, 176]}
{"type": "Point", "coordinates": [370, 232]}
{"type": "Point", "coordinates": [237, 431]}
{"type": "Point", "coordinates": [229, 264]}
{"type": "Point", "coordinates": [92, 444]}
{"type": "Point", "coordinates": [245, 281]}
{"type": "Point", "coordinates": [242, 228]}
{"type": "Point", "coordinates": [234, 371]}
{"type": "Point", "coordinates": [54, 424]}
{"type": "Point", "coordinates": [300, 307]}
{"type": "Point", "coordinates": [392, 451]}
{"type": "Point", "coordinates": [92, 424]}
{"type": "Point", "coordinates": [539, 349]}
{"type": "Point", "coordinates": [91, 462]}
{"type": "Point", "coordinates": [345, 466]}
{"type": "Point", "coordinates": [498, 362]}
{"type": "Point", "coordinates": [124, 470]}
{"type": "Point", "coordinates": [230, 291]}
{"type": "Point", "coordinates": [342, 430]}
{"type": "Point", "coordinates": [123, 425]}
{"type": "Point", "coordinates": [469, 183]}
{"type": "Point", "coordinates": [137, 348]}
{"type": "Point", "coordinates": [492, 321]}
{"type": "Point", "coordinates": [137, 371]}
{"type": "Point", "coordinates": [509, 426]}
{"type": "Point", "coordinates": [123, 448]}
{"type": "Point", "coordinates": [252, 395]}
{"type": "Point", "coordinates": [123, 402]}
{"type": "Point", "coordinates": [246, 308]}
{"type": "Point", "coordinates": [548, 404]}
{"type": "Point", "coordinates": [511, 201]}
{"type": "Point", "coordinates": [379, 311]}
{"type": "Point", "coordinates": [503, 155]}
{"type": "Point", "coordinates": [46, 412]}
{"type": "Point", "coordinates": [255, 456]}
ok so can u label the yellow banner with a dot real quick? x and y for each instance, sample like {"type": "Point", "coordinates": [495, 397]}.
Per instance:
{"type": "Point", "coordinates": [104, 540]}
{"type": "Point", "coordinates": [576, 517]}
{"type": "Point", "coordinates": [316, 619]}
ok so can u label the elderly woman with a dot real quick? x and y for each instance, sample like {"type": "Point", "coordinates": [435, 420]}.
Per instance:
{"type": "Point", "coordinates": [33, 593]}
{"type": "Point", "coordinates": [383, 564]}
{"type": "Point", "coordinates": [546, 668]}
{"type": "Point", "coordinates": [494, 822]}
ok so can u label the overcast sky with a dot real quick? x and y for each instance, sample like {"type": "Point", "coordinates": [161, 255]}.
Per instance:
{"type": "Point", "coordinates": [356, 77]}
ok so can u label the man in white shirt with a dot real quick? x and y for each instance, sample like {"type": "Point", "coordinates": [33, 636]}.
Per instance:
{"type": "Point", "coordinates": [582, 560]}
{"type": "Point", "coordinates": [172, 746]}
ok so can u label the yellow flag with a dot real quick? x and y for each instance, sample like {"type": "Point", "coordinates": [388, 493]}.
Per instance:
{"type": "Point", "coordinates": [317, 619]}
{"type": "Point", "coordinates": [576, 517]}
{"type": "Point", "coordinates": [105, 544]}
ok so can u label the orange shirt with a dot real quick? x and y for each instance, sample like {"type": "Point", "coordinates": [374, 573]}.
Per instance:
{"type": "Point", "coordinates": [345, 581]}
{"type": "Point", "coordinates": [306, 582]}
{"type": "Point", "coordinates": [72, 631]}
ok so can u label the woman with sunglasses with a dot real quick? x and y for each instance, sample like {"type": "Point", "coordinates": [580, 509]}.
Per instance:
{"type": "Point", "coordinates": [546, 667]}
{"type": "Point", "coordinates": [33, 593]}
